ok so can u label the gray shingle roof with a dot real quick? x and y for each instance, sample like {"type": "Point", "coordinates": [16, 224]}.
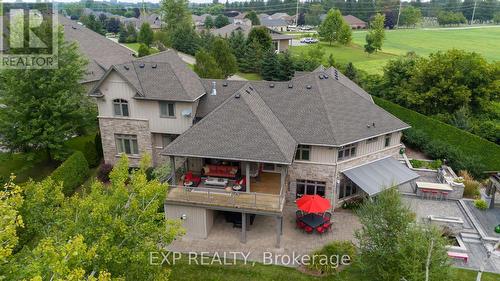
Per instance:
{"type": "Point", "coordinates": [101, 52]}
{"type": "Point", "coordinates": [241, 128]}
{"type": "Point", "coordinates": [225, 89]}
{"type": "Point", "coordinates": [269, 22]}
{"type": "Point", "coordinates": [162, 76]}
{"type": "Point", "coordinates": [329, 113]}
{"type": "Point", "coordinates": [225, 31]}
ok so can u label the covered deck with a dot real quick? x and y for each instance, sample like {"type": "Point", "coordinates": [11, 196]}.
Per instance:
{"type": "Point", "coordinates": [264, 194]}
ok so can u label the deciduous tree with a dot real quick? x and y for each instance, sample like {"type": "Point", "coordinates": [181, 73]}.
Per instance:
{"type": "Point", "coordinates": [206, 66]}
{"type": "Point", "coordinates": [252, 16]}
{"type": "Point", "coordinates": [44, 107]}
{"type": "Point", "coordinates": [220, 21]}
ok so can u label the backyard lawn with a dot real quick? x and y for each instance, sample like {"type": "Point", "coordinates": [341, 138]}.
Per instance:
{"type": "Point", "coordinates": [133, 46]}
{"type": "Point", "coordinates": [184, 271]}
{"type": "Point", "coordinates": [422, 41]}
{"type": "Point", "coordinates": [250, 76]}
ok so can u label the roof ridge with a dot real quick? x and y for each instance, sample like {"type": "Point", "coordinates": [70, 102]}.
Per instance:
{"type": "Point", "coordinates": [138, 79]}
{"type": "Point", "coordinates": [271, 135]}
{"type": "Point", "coordinates": [203, 120]}
{"type": "Point", "coordinates": [326, 111]}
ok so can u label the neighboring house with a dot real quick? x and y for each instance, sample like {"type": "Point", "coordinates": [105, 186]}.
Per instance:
{"type": "Point", "coordinates": [352, 21]}
{"type": "Point", "coordinates": [199, 21]}
{"type": "Point", "coordinates": [260, 143]}
{"type": "Point", "coordinates": [153, 19]}
{"type": "Point", "coordinates": [281, 42]}
{"type": "Point", "coordinates": [100, 51]}
{"type": "Point", "coordinates": [279, 24]}
{"type": "Point", "coordinates": [283, 16]}
{"type": "Point", "coordinates": [355, 22]}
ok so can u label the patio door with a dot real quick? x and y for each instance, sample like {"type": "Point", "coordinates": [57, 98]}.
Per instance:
{"type": "Point", "coordinates": [308, 187]}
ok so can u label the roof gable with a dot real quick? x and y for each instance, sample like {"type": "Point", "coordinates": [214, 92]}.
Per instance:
{"type": "Point", "coordinates": [242, 128]}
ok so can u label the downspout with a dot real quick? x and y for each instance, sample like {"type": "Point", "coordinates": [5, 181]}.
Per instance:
{"type": "Point", "coordinates": [334, 189]}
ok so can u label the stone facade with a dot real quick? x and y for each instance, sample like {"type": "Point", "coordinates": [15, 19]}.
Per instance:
{"type": "Point", "coordinates": [331, 174]}
{"type": "Point", "coordinates": [111, 126]}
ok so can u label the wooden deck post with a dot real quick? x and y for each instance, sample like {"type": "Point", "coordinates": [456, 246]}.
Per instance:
{"type": "Point", "coordinates": [243, 227]}
{"type": "Point", "coordinates": [172, 166]}
{"type": "Point", "coordinates": [279, 230]}
{"type": "Point", "coordinates": [247, 174]}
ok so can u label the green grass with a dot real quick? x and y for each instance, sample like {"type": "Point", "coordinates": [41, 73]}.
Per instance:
{"type": "Point", "coordinates": [250, 76]}
{"type": "Point", "coordinates": [426, 41]}
{"type": "Point", "coordinates": [422, 41]}
{"type": "Point", "coordinates": [468, 143]}
{"type": "Point", "coordinates": [24, 166]}
{"type": "Point", "coordinates": [354, 53]}
{"type": "Point", "coordinates": [36, 165]}
{"type": "Point", "coordinates": [183, 271]}
{"type": "Point", "coordinates": [133, 46]}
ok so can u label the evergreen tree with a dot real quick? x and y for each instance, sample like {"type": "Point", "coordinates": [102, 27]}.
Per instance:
{"type": "Point", "coordinates": [331, 61]}
{"type": "Point", "coordinates": [122, 36]}
{"type": "Point", "coordinates": [175, 13]}
{"type": "Point", "coordinates": [351, 72]}
{"type": "Point", "coordinates": [253, 57]}
{"type": "Point", "coordinates": [270, 69]}
{"type": "Point", "coordinates": [185, 39]}
{"type": "Point", "coordinates": [287, 69]}
{"type": "Point", "coordinates": [252, 16]}
{"type": "Point", "coordinates": [206, 66]}
{"type": "Point", "coordinates": [221, 21]}
{"type": "Point", "coordinates": [238, 45]}
{"type": "Point", "coordinates": [223, 56]}
{"type": "Point", "coordinates": [143, 51]}
{"type": "Point", "coordinates": [145, 35]}
{"type": "Point", "coordinates": [131, 34]}
{"type": "Point", "coordinates": [209, 22]}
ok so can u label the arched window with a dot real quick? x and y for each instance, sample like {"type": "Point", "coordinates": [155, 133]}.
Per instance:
{"type": "Point", "coordinates": [120, 107]}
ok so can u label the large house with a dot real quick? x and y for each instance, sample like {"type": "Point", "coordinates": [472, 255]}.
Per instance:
{"type": "Point", "coordinates": [256, 144]}
{"type": "Point", "coordinates": [281, 41]}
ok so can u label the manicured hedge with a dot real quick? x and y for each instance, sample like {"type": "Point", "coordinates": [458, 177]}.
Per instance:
{"type": "Point", "coordinates": [440, 140]}
{"type": "Point", "coordinates": [87, 144]}
{"type": "Point", "coordinates": [72, 173]}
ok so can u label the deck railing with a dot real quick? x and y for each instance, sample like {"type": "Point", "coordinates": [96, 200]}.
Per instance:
{"type": "Point", "coordinates": [229, 199]}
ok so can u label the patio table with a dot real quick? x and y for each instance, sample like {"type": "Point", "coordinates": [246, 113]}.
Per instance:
{"type": "Point", "coordinates": [312, 220]}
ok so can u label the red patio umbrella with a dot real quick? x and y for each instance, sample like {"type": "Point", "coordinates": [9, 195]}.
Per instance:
{"type": "Point", "coordinates": [313, 204]}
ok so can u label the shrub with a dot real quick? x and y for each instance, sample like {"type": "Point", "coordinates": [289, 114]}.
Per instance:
{"type": "Point", "coordinates": [481, 204]}
{"type": "Point", "coordinates": [471, 187]}
{"type": "Point", "coordinates": [335, 252]}
{"type": "Point", "coordinates": [463, 150]}
{"type": "Point", "coordinates": [436, 164]}
{"type": "Point", "coordinates": [416, 163]}
{"type": "Point", "coordinates": [91, 154]}
{"type": "Point", "coordinates": [353, 203]}
{"type": "Point", "coordinates": [104, 171]}
{"type": "Point", "coordinates": [72, 173]}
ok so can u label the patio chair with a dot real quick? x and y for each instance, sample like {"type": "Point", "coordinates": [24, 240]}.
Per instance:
{"type": "Point", "coordinates": [191, 180]}
{"type": "Point", "coordinates": [327, 216]}
{"type": "Point", "coordinates": [299, 214]}
{"type": "Point", "coordinates": [320, 229]}
{"type": "Point", "coordinates": [300, 224]}
{"type": "Point", "coordinates": [308, 229]}
{"type": "Point", "coordinates": [327, 226]}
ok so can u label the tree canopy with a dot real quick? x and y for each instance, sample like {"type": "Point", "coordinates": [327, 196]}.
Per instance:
{"type": "Point", "coordinates": [44, 107]}
{"type": "Point", "coordinates": [105, 232]}
{"type": "Point", "coordinates": [335, 29]}
{"type": "Point", "coordinates": [145, 35]}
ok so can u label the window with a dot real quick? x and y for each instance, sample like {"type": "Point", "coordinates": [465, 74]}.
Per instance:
{"type": "Point", "coordinates": [310, 188]}
{"type": "Point", "coordinates": [347, 188]}
{"type": "Point", "coordinates": [347, 151]}
{"type": "Point", "coordinates": [370, 140]}
{"type": "Point", "coordinates": [127, 144]}
{"type": "Point", "coordinates": [167, 109]}
{"type": "Point", "coordinates": [271, 168]}
{"type": "Point", "coordinates": [387, 140]}
{"type": "Point", "coordinates": [120, 107]}
{"type": "Point", "coordinates": [303, 152]}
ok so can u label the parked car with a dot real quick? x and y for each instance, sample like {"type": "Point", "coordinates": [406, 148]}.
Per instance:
{"type": "Point", "coordinates": [308, 40]}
